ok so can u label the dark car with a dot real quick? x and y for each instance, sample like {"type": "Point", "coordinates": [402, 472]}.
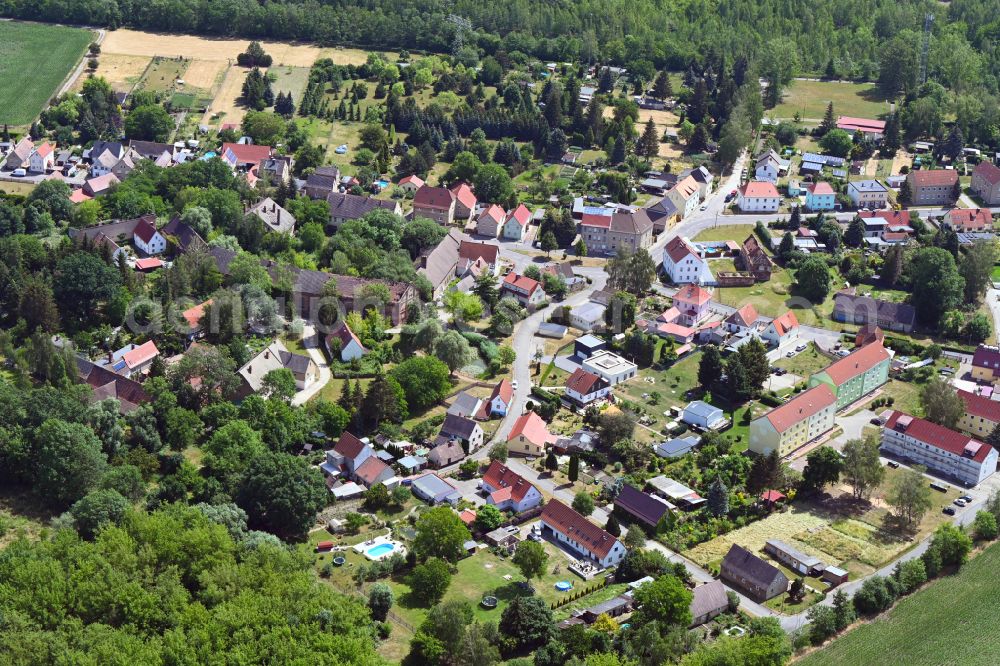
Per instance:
{"type": "Point", "coordinates": [948, 510]}
{"type": "Point", "coordinates": [876, 421]}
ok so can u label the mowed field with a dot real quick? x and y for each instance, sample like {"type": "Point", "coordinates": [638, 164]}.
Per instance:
{"type": "Point", "coordinates": [34, 61]}
{"type": "Point", "coordinates": [121, 71]}
{"type": "Point", "coordinates": [810, 99]}
{"type": "Point", "coordinates": [953, 621]}
{"type": "Point", "coordinates": [139, 43]}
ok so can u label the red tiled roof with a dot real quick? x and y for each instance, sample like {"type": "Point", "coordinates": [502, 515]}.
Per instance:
{"type": "Point", "coordinates": [349, 446]}
{"type": "Point", "coordinates": [344, 333]}
{"type": "Point", "coordinates": [970, 218]}
{"type": "Point", "coordinates": [533, 428]}
{"type": "Point", "coordinates": [579, 529]}
{"type": "Point", "coordinates": [463, 195]}
{"type": "Point", "coordinates": [583, 382]}
{"type": "Point", "coordinates": [759, 189]}
{"type": "Point", "coordinates": [821, 187]}
{"type": "Point", "coordinates": [938, 436]}
{"type": "Point", "coordinates": [247, 153]}
{"type": "Point", "coordinates": [472, 250]}
{"type": "Point", "coordinates": [145, 230]}
{"type": "Point", "coordinates": [503, 390]}
{"type": "Point", "coordinates": [147, 264]}
{"type": "Point", "coordinates": [868, 334]}
{"type": "Point", "coordinates": [591, 220]}
{"type": "Point", "coordinates": [521, 282]}
{"type": "Point", "coordinates": [692, 293]}
{"type": "Point", "coordinates": [370, 469]}
{"type": "Point", "coordinates": [521, 214]}
{"type": "Point", "coordinates": [500, 476]}
{"type": "Point", "coordinates": [144, 352]}
{"type": "Point", "coordinates": [675, 330]}
{"type": "Point", "coordinates": [857, 362]}
{"type": "Point", "coordinates": [745, 316]}
{"type": "Point", "coordinates": [79, 196]}
{"type": "Point", "coordinates": [863, 124]}
{"type": "Point", "coordinates": [978, 405]}
{"type": "Point", "coordinates": [772, 496]}
{"type": "Point", "coordinates": [193, 315]}
{"type": "Point", "coordinates": [433, 197]}
{"type": "Point", "coordinates": [987, 171]}
{"type": "Point", "coordinates": [414, 179]}
{"type": "Point", "coordinates": [467, 516]}
{"type": "Point", "coordinates": [785, 323]}
{"type": "Point", "coordinates": [678, 249]}
{"type": "Point", "coordinates": [45, 149]}
{"type": "Point", "coordinates": [895, 218]}
{"type": "Point", "coordinates": [801, 407]}
{"type": "Point", "coordinates": [934, 177]}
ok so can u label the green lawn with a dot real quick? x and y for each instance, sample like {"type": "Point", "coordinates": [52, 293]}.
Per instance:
{"type": "Point", "coordinates": [34, 61]}
{"type": "Point", "coordinates": [960, 612]}
{"type": "Point", "coordinates": [804, 364]}
{"type": "Point", "coordinates": [775, 297]}
{"type": "Point", "coordinates": [162, 73]}
{"type": "Point", "coordinates": [290, 80]}
{"type": "Point", "coordinates": [724, 232]}
{"type": "Point", "coordinates": [810, 99]}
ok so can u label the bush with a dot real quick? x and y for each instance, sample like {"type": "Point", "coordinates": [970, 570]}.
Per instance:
{"type": "Point", "coordinates": [984, 528]}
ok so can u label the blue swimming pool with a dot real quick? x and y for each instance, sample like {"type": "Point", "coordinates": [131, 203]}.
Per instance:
{"type": "Point", "coordinates": [209, 155]}
{"type": "Point", "coordinates": [564, 586]}
{"type": "Point", "coordinates": [382, 183]}
{"type": "Point", "coordinates": [381, 550]}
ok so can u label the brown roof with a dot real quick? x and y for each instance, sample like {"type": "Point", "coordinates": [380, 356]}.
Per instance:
{"type": "Point", "coordinates": [474, 250]}
{"type": "Point", "coordinates": [145, 230]}
{"type": "Point", "coordinates": [977, 405]}
{"type": "Point", "coordinates": [349, 446]}
{"type": "Point", "coordinates": [934, 177]}
{"type": "Point", "coordinates": [975, 218]}
{"type": "Point", "coordinates": [108, 384]}
{"type": "Point", "coordinates": [370, 470]}
{"type": "Point", "coordinates": [708, 598]}
{"type": "Point", "coordinates": [247, 153]}
{"type": "Point", "coordinates": [988, 171]}
{"type": "Point", "coordinates": [647, 508]}
{"type": "Point", "coordinates": [193, 315]}
{"type": "Point", "coordinates": [801, 407]}
{"type": "Point", "coordinates": [857, 362]}
{"type": "Point", "coordinates": [521, 282]}
{"type": "Point", "coordinates": [637, 222]}
{"type": "Point", "coordinates": [353, 206]}
{"type": "Point", "coordinates": [678, 248]}
{"type": "Point", "coordinates": [938, 436]}
{"type": "Point", "coordinates": [584, 382]}
{"type": "Point", "coordinates": [499, 475]}
{"type": "Point", "coordinates": [433, 197]}
{"type": "Point", "coordinates": [579, 529]}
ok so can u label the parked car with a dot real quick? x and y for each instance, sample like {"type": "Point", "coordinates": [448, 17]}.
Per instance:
{"type": "Point", "coordinates": [19, 173]}
{"type": "Point", "coordinates": [801, 347]}
{"type": "Point", "coordinates": [513, 384]}
{"type": "Point", "coordinates": [960, 502]}
{"type": "Point", "coordinates": [876, 421]}
{"type": "Point", "coordinates": [893, 464]}
{"type": "Point", "coordinates": [948, 510]}
{"type": "Point", "coordinates": [966, 498]}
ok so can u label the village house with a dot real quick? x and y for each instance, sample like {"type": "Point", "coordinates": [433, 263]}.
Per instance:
{"type": "Point", "coordinates": [445, 453]}
{"type": "Point", "coordinates": [872, 129]}
{"type": "Point", "coordinates": [515, 226]}
{"type": "Point", "coordinates": [612, 367]}
{"type": "Point", "coordinates": [708, 601]}
{"type": "Point", "coordinates": [529, 436]}
{"type": "Point", "coordinates": [986, 364]}
{"type": "Point", "coordinates": [878, 223]}
{"type": "Point", "coordinates": [851, 309]}
{"type": "Point", "coordinates": [820, 196]}
{"type": "Point", "coordinates": [626, 230]}
{"type": "Point", "coordinates": [755, 577]}
{"type": "Point", "coordinates": [499, 401]}
{"type": "Point", "coordinates": [584, 388]}
{"type": "Point", "coordinates": [986, 182]}
{"type": "Point", "coordinates": [526, 290]}
{"type": "Point", "coordinates": [770, 167]}
{"type": "Point", "coordinates": [180, 236]}
{"type": "Point", "coordinates": [132, 360]}
{"type": "Point", "coordinates": [870, 194]}
{"type": "Point", "coordinates": [929, 187]}
{"type": "Point", "coordinates": [18, 157]}
{"type": "Point", "coordinates": [664, 214]}
{"type": "Point", "coordinates": [43, 158]}
{"type": "Point", "coordinates": [438, 264]}
{"type": "Point", "coordinates": [587, 316]}
{"type": "Point", "coordinates": [686, 195]}
{"type": "Point", "coordinates": [981, 415]}
{"type": "Point", "coordinates": [754, 260]}
{"type": "Point", "coordinates": [693, 304]}
{"type": "Point", "coordinates": [465, 405]}
{"type": "Point", "coordinates": [347, 455]}
{"type": "Point", "coordinates": [99, 186]}
{"type": "Point", "coordinates": [472, 251]}
{"type": "Point", "coordinates": [683, 264]}
{"type": "Point", "coordinates": [275, 217]}
{"type": "Point", "coordinates": [742, 320]}
{"type": "Point", "coordinates": [373, 472]}
{"type": "Point", "coordinates": [107, 384]}
{"type": "Point", "coordinates": [146, 238]}
{"type": "Point", "coordinates": [322, 182]}
{"type": "Point", "coordinates": [344, 207]}
{"type": "Point", "coordinates": [276, 357]}
{"type": "Point", "coordinates": [463, 430]}
{"type": "Point", "coordinates": [788, 427]}
{"type": "Point", "coordinates": [509, 491]}
{"type": "Point", "coordinates": [435, 203]}
{"type": "Point", "coordinates": [193, 317]}
{"type": "Point", "coordinates": [581, 535]}
{"type": "Point", "coordinates": [411, 183]}
{"type": "Point", "coordinates": [942, 451]}
{"type": "Point", "coordinates": [642, 507]}
{"type": "Point", "coordinates": [244, 156]}
{"type": "Point", "coordinates": [793, 558]}
{"type": "Point", "coordinates": [465, 202]}
{"type": "Point", "coordinates": [782, 330]}
{"type": "Point", "coordinates": [855, 375]}
{"type": "Point", "coordinates": [758, 197]}
{"type": "Point", "coordinates": [968, 220]}
{"type": "Point", "coordinates": [490, 221]}
{"type": "Point", "coordinates": [342, 343]}
{"type": "Point", "coordinates": [147, 150]}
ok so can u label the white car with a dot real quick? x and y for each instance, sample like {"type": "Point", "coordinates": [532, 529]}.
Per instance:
{"type": "Point", "coordinates": [513, 384]}
{"type": "Point", "coordinates": [704, 207]}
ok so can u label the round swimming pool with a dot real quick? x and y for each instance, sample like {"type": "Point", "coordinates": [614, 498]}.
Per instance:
{"type": "Point", "coordinates": [564, 586]}
{"type": "Point", "coordinates": [381, 550]}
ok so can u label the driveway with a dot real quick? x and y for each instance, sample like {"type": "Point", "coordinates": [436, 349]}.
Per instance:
{"type": "Point", "coordinates": [310, 341]}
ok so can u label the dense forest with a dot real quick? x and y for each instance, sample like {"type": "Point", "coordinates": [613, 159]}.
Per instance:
{"type": "Point", "coordinates": [804, 35]}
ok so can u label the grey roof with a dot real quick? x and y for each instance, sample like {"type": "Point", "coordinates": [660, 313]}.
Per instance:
{"type": "Point", "coordinates": [274, 216]}
{"type": "Point", "coordinates": [325, 178]}
{"type": "Point", "coordinates": [828, 160]}
{"type": "Point", "coordinates": [433, 487]}
{"type": "Point", "coordinates": [438, 266]}
{"type": "Point", "coordinates": [794, 553]}
{"type": "Point", "coordinates": [648, 508]}
{"type": "Point", "coordinates": [703, 409]}
{"type": "Point", "coordinates": [181, 233]}
{"type": "Point", "coordinates": [411, 462]}
{"type": "Point", "coordinates": [101, 147]}
{"type": "Point", "coordinates": [273, 357]}
{"type": "Point", "coordinates": [445, 451]}
{"type": "Point", "coordinates": [465, 404]}
{"type": "Point", "coordinates": [590, 341]}
{"type": "Point", "coordinates": [120, 230]}
{"type": "Point", "coordinates": [708, 598]}
{"type": "Point", "coordinates": [608, 606]}
{"type": "Point", "coordinates": [675, 448]}
{"type": "Point", "coordinates": [749, 566]}
{"type": "Point", "coordinates": [872, 309]}
{"type": "Point", "coordinates": [151, 149]}
{"type": "Point", "coordinates": [352, 207]}
{"type": "Point", "coordinates": [458, 426]}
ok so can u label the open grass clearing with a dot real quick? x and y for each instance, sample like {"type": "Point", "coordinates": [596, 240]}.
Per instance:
{"type": "Point", "coordinates": [726, 232]}
{"type": "Point", "coordinates": [163, 73]}
{"type": "Point", "coordinates": [224, 107]}
{"type": "Point", "coordinates": [121, 71]}
{"type": "Point", "coordinates": [35, 59]}
{"type": "Point", "coordinates": [20, 515]}
{"type": "Point", "coordinates": [960, 612]}
{"type": "Point", "coordinates": [290, 80]}
{"type": "Point", "coordinates": [810, 98]}
{"type": "Point", "coordinates": [804, 363]}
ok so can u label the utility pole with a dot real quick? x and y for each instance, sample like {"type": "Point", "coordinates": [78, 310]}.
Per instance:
{"type": "Point", "coordinates": [925, 47]}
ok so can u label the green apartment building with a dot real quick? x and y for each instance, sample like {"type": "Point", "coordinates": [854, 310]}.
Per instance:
{"type": "Point", "coordinates": [857, 374]}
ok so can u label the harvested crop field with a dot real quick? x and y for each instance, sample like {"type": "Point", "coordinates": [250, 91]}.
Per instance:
{"type": "Point", "coordinates": [121, 71]}
{"type": "Point", "coordinates": [224, 105]}
{"type": "Point", "coordinates": [136, 42]}
{"type": "Point", "coordinates": [35, 59]}
{"type": "Point", "coordinates": [204, 74]}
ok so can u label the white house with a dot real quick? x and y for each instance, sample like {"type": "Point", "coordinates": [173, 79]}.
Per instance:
{"type": "Point", "coordinates": [587, 316]}
{"type": "Point", "coordinates": [758, 197]}
{"type": "Point", "coordinates": [507, 490]}
{"type": "Point", "coordinates": [869, 194]}
{"type": "Point", "coordinates": [782, 330]}
{"type": "Point", "coordinates": [43, 158]}
{"type": "Point", "coordinates": [581, 535]}
{"type": "Point", "coordinates": [703, 415]}
{"type": "Point", "coordinates": [584, 387]}
{"type": "Point", "coordinates": [526, 290]}
{"type": "Point", "coordinates": [683, 264]}
{"type": "Point", "coordinates": [612, 367]}
{"type": "Point", "coordinates": [516, 224]}
{"type": "Point", "coordinates": [943, 451]}
{"type": "Point", "coordinates": [741, 320]}
{"type": "Point", "coordinates": [770, 167]}
{"type": "Point", "coordinates": [147, 238]}
{"type": "Point", "coordinates": [347, 455]}
{"type": "Point", "coordinates": [499, 401]}
{"type": "Point", "coordinates": [343, 343]}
